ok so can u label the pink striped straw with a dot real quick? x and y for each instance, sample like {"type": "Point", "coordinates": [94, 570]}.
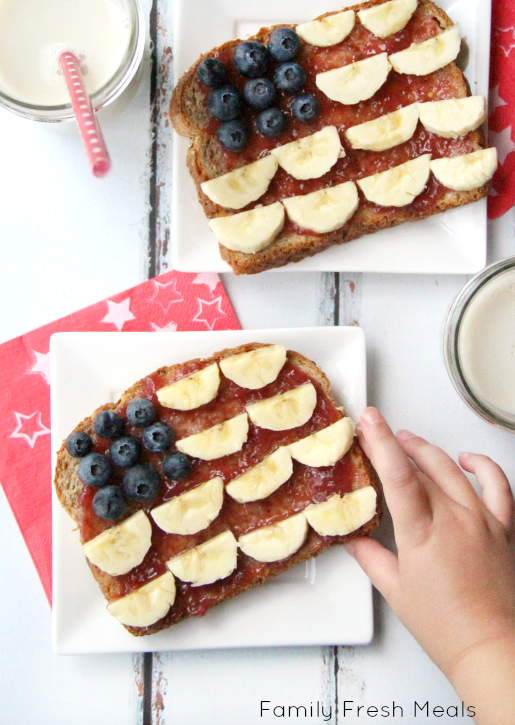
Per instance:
{"type": "Point", "coordinates": [90, 132]}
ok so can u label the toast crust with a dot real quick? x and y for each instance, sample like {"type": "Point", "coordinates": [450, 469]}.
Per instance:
{"type": "Point", "coordinates": [69, 487]}
{"type": "Point", "coordinates": [207, 160]}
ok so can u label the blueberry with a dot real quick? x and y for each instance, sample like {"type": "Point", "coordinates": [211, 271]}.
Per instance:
{"type": "Point", "coordinates": [259, 93]}
{"type": "Point", "coordinates": [251, 59]}
{"type": "Point", "coordinates": [95, 470]}
{"type": "Point", "coordinates": [142, 483]}
{"type": "Point", "coordinates": [211, 72]}
{"type": "Point", "coordinates": [306, 107]}
{"type": "Point", "coordinates": [125, 451]}
{"type": "Point", "coordinates": [78, 444]}
{"type": "Point", "coordinates": [284, 44]}
{"type": "Point", "coordinates": [233, 135]}
{"type": "Point", "coordinates": [272, 122]}
{"type": "Point", "coordinates": [141, 412]}
{"type": "Point", "coordinates": [290, 77]}
{"type": "Point", "coordinates": [109, 503]}
{"type": "Point", "coordinates": [224, 103]}
{"type": "Point", "coordinates": [108, 424]}
{"type": "Point", "coordinates": [158, 437]}
{"type": "Point", "coordinates": [177, 466]}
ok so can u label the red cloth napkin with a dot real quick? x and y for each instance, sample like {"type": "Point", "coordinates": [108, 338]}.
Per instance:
{"type": "Point", "coordinates": [502, 106]}
{"type": "Point", "coordinates": [171, 302]}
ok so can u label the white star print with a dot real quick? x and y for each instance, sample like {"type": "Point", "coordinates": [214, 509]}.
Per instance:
{"type": "Point", "coordinates": [211, 280]}
{"type": "Point", "coordinates": [495, 99]}
{"type": "Point", "coordinates": [119, 313]}
{"type": "Point", "coordinates": [42, 365]}
{"type": "Point", "coordinates": [505, 38]}
{"type": "Point", "coordinates": [31, 433]}
{"type": "Point", "coordinates": [166, 294]}
{"type": "Point", "coordinates": [503, 143]}
{"type": "Point", "coordinates": [170, 327]}
{"type": "Point", "coordinates": [205, 310]}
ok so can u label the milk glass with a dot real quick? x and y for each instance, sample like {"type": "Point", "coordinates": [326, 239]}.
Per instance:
{"type": "Point", "coordinates": [479, 344]}
{"type": "Point", "coordinates": [108, 37]}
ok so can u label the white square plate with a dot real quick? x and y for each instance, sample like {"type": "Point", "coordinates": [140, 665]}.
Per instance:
{"type": "Point", "coordinates": [324, 602]}
{"type": "Point", "coordinates": [452, 243]}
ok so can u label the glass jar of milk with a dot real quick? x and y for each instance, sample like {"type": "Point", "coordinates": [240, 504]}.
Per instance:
{"type": "Point", "coordinates": [107, 36]}
{"type": "Point", "coordinates": [479, 344]}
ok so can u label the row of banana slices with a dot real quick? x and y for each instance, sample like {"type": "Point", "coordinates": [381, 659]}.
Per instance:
{"type": "Point", "coordinates": [313, 156]}
{"type": "Point", "coordinates": [216, 558]}
{"type": "Point", "coordinates": [329, 209]}
{"type": "Point", "coordinates": [251, 370]}
{"type": "Point", "coordinates": [359, 81]}
{"type": "Point", "coordinates": [381, 20]}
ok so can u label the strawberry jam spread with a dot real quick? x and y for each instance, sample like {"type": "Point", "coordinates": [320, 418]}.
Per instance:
{"type": "Point", "coordinates": [398, 91]}
{"type": "Point", "coordinates": [306, 485]}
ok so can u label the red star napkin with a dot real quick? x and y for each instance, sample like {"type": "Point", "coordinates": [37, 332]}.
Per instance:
{"type": "Point", "coordinates": [171, 302]}
{"type": "Point", "coordinates": [502, 106]}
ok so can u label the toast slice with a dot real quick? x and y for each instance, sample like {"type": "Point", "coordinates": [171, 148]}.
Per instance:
{"type": "Point", "coordinates": [207, 159]}
{"type": "Point", "coordinates": [307, 485]}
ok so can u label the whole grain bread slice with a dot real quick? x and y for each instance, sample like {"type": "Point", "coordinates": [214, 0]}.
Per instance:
{"type": "Point", "coordinates": [70, 488]}
{"type": "Point", "coordinates": [206, 160]}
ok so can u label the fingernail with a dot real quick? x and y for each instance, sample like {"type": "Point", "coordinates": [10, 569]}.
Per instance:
{"type": "Point", "coordinates": [405, 435]}
{"type": "Point", "coordinates": [370, 416]}
{"type": "Point", "coordinates": [349, 548]}
{"type": "Point", "coordinates": [464, 454]}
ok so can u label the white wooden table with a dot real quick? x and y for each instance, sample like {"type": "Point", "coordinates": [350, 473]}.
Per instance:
{"type": "Point", "coordinates": [68, 240]}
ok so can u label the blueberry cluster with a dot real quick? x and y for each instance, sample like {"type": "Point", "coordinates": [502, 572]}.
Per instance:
{"type": "Point", "coordinates": [252, 60]}
{"type": "Point", "coordinates": [141, 482]}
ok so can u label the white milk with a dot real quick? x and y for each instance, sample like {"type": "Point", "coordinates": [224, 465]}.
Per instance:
{"type": "Point", "coordinates": [34, 33]}
{"type": "Point", "coordinates": [486, 343]}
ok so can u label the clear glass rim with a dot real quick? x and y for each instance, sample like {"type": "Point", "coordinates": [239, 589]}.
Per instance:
{"type": "Point", "coordinates": [450, 344]}
{"type": "Point", "coordinates": [105, 95]}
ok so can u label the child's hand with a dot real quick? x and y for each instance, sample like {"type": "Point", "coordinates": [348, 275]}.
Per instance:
{"type": "Point", "coordinates": [453, 582]}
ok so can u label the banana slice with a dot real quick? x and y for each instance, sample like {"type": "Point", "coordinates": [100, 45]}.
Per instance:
{"type": "Point", "coordinates": [420, 59]}
{"type": "Point", "coordinates": [355, 82]}
{"type": "Point", "coordinates": [192, 391]}
{"type": "Point", "coordinates": [147, 605]}
{"type": "Point", "coordinates": [388, 18]}
{"type": "Point", "coordinates": [192, 511]}
{"type": "Point", "coordinates": [286, 411]}
{"type": "Point", "coordinates": [262, 480]}
{"type": "Point", "coordinates": [325, 210]}
{"type": "Point", "coordinates": [328, 31]}
{"type": "Point", "coordinates": [120, 548]}
{"type": "Point", "coordinates": [326, 447]}
{"type": "Point", "coordinates": [221, 440]}
{"type": "Point", "coordinates": [385, 132]}
{"type": "Point", "coordinates": [397, 186]}
{"type": "Point", "coordinates": [312, 156]}
{"type": "Point", "coordinates": [339, 515]}
{"type": "Point", "coordinates": [242, 186]}
{"type": "Point", "coordinates": [455, 117]}
{"type": "Point", "coordinates": [249, 231]}
{"type": "Point", "coordinates": [275, 542]}
{"type": "Point", "coordinates": [205, 564]}
{"type": "Point", "coordinates": [467, 172]}
{"type": "Point", "coordinates": [255, 369]}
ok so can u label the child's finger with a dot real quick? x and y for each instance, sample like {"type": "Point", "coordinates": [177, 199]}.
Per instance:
{"type": "Point", "coordinates": [497, 493]}
{"type": "Point", "coordinates": [404, 492]}
{"type": "Point", "coordinates": [439, 467]}
{"type": "Point", "coordinates": [378, 563]}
